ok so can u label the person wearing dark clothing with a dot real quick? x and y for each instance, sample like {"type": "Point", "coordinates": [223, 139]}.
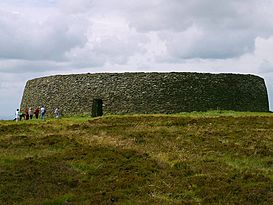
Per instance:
{"type": "Point", "coordinates": [36, 112]}
{"type": "Point", "coordinates": [26, 114]}
{"type": "Point", "coordinates": [21, 115]}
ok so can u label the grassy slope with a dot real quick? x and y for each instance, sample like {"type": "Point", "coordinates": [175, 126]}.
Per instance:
{"type": "Point", "coordinates": [207, 158]}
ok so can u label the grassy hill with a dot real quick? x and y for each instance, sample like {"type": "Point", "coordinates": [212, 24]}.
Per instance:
{"type": "Point", "coordinates": [197, 158]}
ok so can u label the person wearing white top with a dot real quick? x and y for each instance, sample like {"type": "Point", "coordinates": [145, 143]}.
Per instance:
{"type": "Point", "coordinates": [57, 113]}
{"type": "Point", "coordinates": [30, 112]}
{"type": "Point", "coordinates": [43, 111]}
{"type": "Point", "coordinates": [17, 116]}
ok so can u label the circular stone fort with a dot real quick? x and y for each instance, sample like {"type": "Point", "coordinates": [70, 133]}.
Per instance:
{"type": "Point", "coordinates": [142, 93]}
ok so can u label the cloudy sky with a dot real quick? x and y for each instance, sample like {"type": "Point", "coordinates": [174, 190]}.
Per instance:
{"type": "Point", "coordinates": [45, 37]}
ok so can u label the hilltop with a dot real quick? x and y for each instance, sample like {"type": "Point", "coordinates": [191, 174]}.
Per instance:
{"type": "Point", "coordinates": [201, 158]}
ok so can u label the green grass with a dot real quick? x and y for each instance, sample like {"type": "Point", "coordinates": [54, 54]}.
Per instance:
{"type": "Point", "coordinates": [188, 158]}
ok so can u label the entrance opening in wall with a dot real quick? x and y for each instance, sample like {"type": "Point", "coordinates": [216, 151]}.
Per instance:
{"type": "Point", "coordinates": [97, 108]}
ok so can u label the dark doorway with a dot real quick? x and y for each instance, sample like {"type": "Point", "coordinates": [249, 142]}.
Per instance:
{"type": "Point", "coordinates": [97, 108]}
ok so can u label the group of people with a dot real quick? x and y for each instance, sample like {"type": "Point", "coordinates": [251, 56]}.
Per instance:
{"type": "Point", "coordinates": [30, 113]}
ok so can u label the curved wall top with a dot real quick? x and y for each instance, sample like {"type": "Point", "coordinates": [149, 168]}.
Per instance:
{"type": "Point", "coordinates": [147, 92]}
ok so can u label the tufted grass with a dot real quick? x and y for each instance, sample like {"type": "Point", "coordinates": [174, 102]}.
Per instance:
{"type": "Point", "coordinates": [187, 158]}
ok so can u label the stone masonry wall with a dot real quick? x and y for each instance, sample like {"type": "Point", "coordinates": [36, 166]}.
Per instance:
{"type": "Point", "coordinates": [128, 93]}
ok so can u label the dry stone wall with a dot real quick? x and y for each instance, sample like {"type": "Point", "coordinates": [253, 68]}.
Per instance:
{"type": "Point", "coordinates": [128, 93]}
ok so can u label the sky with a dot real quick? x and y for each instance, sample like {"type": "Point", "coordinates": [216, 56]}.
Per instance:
{"type": "Point", "coordinates": [47, 37]}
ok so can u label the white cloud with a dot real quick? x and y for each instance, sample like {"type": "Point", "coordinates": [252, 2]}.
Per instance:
{"type": "Point", "coordinates": [11, 87]}
{"type": "Point", "coordinates": [110, 40]}
{"type": "Point", "coordinates": [96, 33]}
{"type": "Point", "coordinates": [31, 39]}
{"type": "Point", "coordinates": [264, 52]}
{"type": "Point", "coordinates": [228, 28]}
{"type": "Point", "coordinates": [75, 6]}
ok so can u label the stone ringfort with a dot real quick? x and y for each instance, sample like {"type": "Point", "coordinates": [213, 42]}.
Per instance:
{"type": "Point", "coordinates": [136, 93]}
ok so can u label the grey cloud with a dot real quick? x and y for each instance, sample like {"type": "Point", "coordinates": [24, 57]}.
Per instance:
{"type": "Point", "coordinates": [110, 50]}
{"type": "Point", "coordinates": [266, 67]}
{"type": "Point", "coordinates": [75, 6]}
{"type": "Point", "coordinates": [20, 67]}
{"type": "Point", "coordinates": [11, 92]}
{"type": "Point", "coordinates": [178, 15]}
{"type": "Point", "coordinates": [65, 37]}
{"type": "Point", "coordinates": [229, 27]}
{"type": "Point", "coordinates": [208, 44]}
{"type": "Point", "coordinates": [205, 29]}
{"type": "Point", "coordinates": [29, 39]}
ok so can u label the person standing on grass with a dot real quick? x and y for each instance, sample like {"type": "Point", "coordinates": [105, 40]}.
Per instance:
{"type": "Point", "coordinates": [17, 115]}
{"type": "Point", "coordinates": [21, 115]}
{"type": "Point", "coordinates": [36, 112]}
{"type": "Point", "coordinates": [57, 113]}
{"type": "Point", "coordinates": [43, 111]}
{"type": "Point", "coordinates": [26, 114]}
{"type": "Point", "coordinates": [30, 112]}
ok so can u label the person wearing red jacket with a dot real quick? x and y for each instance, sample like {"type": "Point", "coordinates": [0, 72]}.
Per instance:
{"type": "Point", "coordinates": [36, 112]}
